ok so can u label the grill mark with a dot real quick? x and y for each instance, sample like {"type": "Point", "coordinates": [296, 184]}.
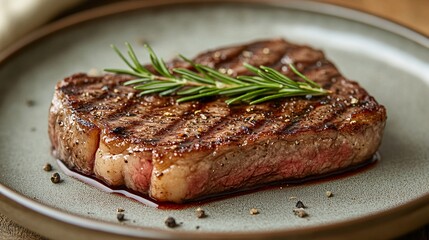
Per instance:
{"type": "Point", "coordinates": [325, 124]}
{"type": "Point", "coordinates": [242, 127]}
{"type": "Point", "coordinates": [99, 100]}
{"type": "Point", "coordinates": [339, 107]}
{"type": "Point", "coordinates": [245, 134]}
{"type": "Point", "coordinates": [256, 131]}
{"type": "Point", "coordinates": [142, 126]}
{"type": "Point", "coordinates": [217, 126]}
{"type": "Point", "coordinates": [298, 116]}
{"type": "Point", "coordinates": [192, 139]}
{"type": "Point", "coordinates": [248, 129]}
{"type": "Point", "coordinates": [122, 120]}
{"type": "Point", "coordinates": [122, 111]}
{"type": "Point", "coordinates": [150, 132]}
{"type": "Point", "coordinates": [274, 117]}
{"type": "Point", "coordinates": [180, 121]}
{"type": "Point", "coordinates": [118, 118]}
{"type": "Point", "coordinates": [339, 118]}
{"type": "Point", "coordinates": [256, 126]}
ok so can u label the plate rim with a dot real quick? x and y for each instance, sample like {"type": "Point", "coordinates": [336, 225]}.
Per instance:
{"type": "Point", "coordinates": [414, 212]}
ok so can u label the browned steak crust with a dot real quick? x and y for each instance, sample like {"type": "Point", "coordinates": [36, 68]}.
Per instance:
{"type": "Point", "coordinates": [178, 152]}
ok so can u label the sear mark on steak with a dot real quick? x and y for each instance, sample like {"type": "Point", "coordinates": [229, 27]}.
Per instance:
{"type": "Point", "coordinates": [179, 152]}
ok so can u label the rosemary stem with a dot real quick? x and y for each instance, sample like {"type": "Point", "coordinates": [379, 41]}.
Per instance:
{"type": "Point", "coordinates": [186, 82]}
{"type": "Point", "coordinates": [264, 84]}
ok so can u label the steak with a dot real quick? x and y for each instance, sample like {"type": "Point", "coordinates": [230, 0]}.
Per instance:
{"type": "Point", "coordinates": [180, 152]}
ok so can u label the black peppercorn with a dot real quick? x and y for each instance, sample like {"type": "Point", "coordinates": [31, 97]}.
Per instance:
{"type": "Point", "coordinates": [47, 167]}
{"type": "Point", "coordinates": [299, 204]}
{"type": "Point", "coordinates": [170, 222]}
{"type": "Point", "coordinates": [120, 216]}
{"type": "Point", "coordinates": [118, 130]}
{"type": "Point", "coordinates": [56, 178]}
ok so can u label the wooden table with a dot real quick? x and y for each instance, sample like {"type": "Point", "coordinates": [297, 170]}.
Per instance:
{"type": "Point", "coordinates": [412, 13]}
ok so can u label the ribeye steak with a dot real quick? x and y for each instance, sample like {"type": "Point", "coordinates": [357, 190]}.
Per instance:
{"type": "Point", "coordinates": [179, 152]}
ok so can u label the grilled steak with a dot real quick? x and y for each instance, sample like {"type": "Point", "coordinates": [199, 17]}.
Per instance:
{"type": "Point", "coordinates": [179, 152]}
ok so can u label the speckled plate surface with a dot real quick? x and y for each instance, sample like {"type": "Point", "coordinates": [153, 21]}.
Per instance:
{"type": "Point", "coordinates": [390, 61]}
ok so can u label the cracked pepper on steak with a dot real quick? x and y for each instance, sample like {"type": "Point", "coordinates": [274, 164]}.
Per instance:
{"type": "Point", "coordinates": [179, 152]}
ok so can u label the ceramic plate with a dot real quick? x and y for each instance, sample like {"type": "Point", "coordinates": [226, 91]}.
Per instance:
{"type": "Point", "coordinates": [390, 61]}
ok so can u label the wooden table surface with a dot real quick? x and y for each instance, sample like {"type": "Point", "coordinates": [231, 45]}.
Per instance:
{"type": "Point", "coordinates": [411, 13]}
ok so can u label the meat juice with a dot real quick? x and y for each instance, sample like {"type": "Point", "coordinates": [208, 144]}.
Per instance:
{"type": "Point", "coordinates": [148, 201]}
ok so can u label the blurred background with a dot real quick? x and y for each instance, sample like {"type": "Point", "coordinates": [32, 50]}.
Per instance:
{"type": "Point", "coordinates": [19, 18]}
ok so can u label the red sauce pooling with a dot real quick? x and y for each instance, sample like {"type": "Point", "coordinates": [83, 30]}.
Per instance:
{"type": "Point", "coordinates": [148, 201]}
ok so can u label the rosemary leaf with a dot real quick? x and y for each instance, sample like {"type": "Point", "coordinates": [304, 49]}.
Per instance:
{"type": "Point", "coordinates": [170, 91]}
{"type": "Point", "coordinates": [247, 96]}
{"type": "Point", "coordinates": [155, 90]}
{"type": "Point", "coordinates": [276, 75]}
{"type": "Point", "coordinates": [198, 96]}
{"type": "Point", "coordinates": [123, 58]}
{"type": "Point", "coordinates": [252, 79]}
{"type": "Point", "coordinates": [135, 60]}
{"type": "Point", "coordinates": [192, 90]}
{"type": "Point", "coordinates": [192, 76]}
{"type": "Point", "coordinates": [135, 81]}
{"type": "Point", "coordinates": [128, 72]}
{"type": "Point", "coordinates": [158, 63]}
{"type": "Point", "coordinates": [155, 85]}
{"type": "Point", "coordinates": [199, 70]}
{"type": "Point", "coordinates": [311, 82]}
{"type": "Point", "coordinates": [238, 90]}
{"type": "Point", "coordinates": [218, 75]}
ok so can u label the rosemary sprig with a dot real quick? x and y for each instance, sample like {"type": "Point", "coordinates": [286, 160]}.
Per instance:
{"type": "Point", "coordinates": [265, 84]}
